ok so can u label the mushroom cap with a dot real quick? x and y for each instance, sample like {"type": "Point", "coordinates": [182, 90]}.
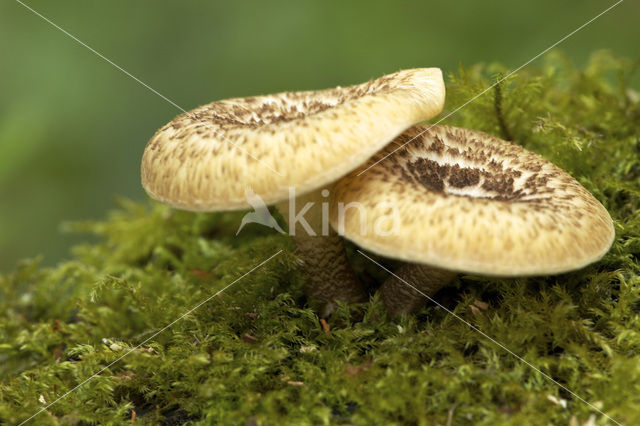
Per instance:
{"type": "Point", "coordinates": [466, 201]}
{"type": "Point", "coordinates": [205, 159]}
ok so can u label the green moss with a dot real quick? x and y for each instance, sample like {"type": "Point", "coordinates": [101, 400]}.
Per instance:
{"type": "Point", "coordinates": [257, 354]}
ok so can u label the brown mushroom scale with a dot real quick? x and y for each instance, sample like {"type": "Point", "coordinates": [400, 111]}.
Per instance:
{"type": "Point", "coordinates": [437, 167]}
{"type": "Point", "coordinates": [209, 158]}
{"type": "Point", "coordinates": [282, 107]}
{"type": "Point", "coordinates": [467, 201]}
{"type": "Point", "coordinates": [259, 112]}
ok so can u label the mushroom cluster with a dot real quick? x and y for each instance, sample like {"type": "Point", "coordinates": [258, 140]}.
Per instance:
{"type": "Point", "coordinates": [464, 201]}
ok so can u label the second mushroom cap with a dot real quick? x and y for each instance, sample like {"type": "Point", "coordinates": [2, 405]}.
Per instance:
{"type": "Point", "coordinates": [465, 201]}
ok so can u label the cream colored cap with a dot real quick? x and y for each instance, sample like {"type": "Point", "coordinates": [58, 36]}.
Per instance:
{"type": "Point", "coordinates": [462, 200]}
{"type": "Point", "coordinates": [206, 159]}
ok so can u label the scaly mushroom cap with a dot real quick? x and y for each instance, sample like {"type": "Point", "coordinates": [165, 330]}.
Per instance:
{"type": "Point", "coordinates": [206, 159]}
{"type": "Point", "coordinates": [467, 201]}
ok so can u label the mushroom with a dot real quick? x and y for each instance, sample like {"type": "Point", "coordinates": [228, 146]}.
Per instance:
{"type": "Point", "coordinates": [457, 200]}
{"type": "Point", "coordinates": [288, 149]}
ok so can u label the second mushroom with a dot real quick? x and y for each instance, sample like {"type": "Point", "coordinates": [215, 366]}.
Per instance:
{"type": "Point", "coordinates": [456, 200]}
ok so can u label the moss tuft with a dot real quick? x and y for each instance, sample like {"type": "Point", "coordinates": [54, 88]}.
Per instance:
{"type": "Point", "coordinates": [257, 355]}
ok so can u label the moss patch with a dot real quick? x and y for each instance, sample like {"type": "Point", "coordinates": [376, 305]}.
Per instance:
{"type": "Point", "coordinates": [257, 355]}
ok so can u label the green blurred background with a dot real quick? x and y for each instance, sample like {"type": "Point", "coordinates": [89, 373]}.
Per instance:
{"type": "Point", "coordinates": [73, 127]}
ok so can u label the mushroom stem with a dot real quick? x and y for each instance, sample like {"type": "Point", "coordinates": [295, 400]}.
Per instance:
{"type": "Point", "coordinates": [400, 298]}
{"type": "Point", "coordinates": [330, 278]}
